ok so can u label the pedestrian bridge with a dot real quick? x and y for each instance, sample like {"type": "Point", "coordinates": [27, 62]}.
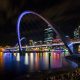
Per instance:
{"type": "Point", "coordinates": [16, 48]}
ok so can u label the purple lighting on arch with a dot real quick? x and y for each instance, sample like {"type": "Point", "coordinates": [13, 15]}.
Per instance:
{"type": "Point", "coordinates": [19, 20]}
{"type": "Point", "coordinates": [18, 26]}
{"type": "Point", "coordinates": [21, 40]}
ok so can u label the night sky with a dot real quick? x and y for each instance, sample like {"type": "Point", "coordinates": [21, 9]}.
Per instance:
{"type": "Point", "coordinates": [63, 13]}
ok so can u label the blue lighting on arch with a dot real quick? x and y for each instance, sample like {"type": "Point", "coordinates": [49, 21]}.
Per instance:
{"type": "Point", "coordinates": [19, 21]}
{"type": "Point", "coordinates": [23, 38]}
{"type": "Point", "coordinates": [71, 46]}
{"type": "Point", "coordinates": [18, 26]}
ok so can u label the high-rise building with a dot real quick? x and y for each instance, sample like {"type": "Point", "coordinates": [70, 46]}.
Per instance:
{"type": "Point", "coordinates": [31, 42]}
{"type": "Point", "coordinates": [48, 35]}
{"type": "Point", "coordinates": [77, 33]}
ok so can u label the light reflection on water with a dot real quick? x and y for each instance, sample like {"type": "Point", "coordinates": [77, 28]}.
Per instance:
{"type": "Point", "coordinates": [26, 61]}
{"type": "Point", "coordinates": [18, 56]}
{"type": "Point", "coordinates": [36, 60]}
{"type": "Point", "coordinates": [32, 61]}
{"type": "Point", "coordinates": [1, 61]}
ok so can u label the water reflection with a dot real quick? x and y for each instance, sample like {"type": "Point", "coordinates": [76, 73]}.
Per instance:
{"type": "Point", "coordinates": [32, 61]}
{"type": "Point", "coordinates": [26, 61]}
{"type": "Point", "coordinates": [18, 56]}
{"type": "Point", "coordinates": [46, 60]}
{"type": "Point", "coordinates": [1, 61]}
{"type": "Point", "coordinates": [31, 64]}
{"type": "Point", "coordinates": [36, 61]}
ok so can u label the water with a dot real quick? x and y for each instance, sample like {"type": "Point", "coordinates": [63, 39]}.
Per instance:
{"type": "Point", "coordinates": [15, 64]}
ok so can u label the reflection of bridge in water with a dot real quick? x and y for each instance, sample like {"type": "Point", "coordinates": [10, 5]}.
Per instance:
{"type": "Point", "coordinates": [37, 61]}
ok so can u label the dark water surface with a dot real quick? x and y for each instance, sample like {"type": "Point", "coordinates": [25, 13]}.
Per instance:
{"type": "Point", "coordinates": [13, 64]}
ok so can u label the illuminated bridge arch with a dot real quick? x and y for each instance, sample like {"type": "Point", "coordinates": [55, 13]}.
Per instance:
{"type": "Point", "coordinates": [57, 31]}
{"type": "Point", "coordinates": [23, 38]}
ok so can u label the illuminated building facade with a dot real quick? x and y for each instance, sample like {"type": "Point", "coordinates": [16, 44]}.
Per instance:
{"type": "Point", "coordinates": [48, 35]}
{"type": "Point", "coordinates": [77, 33]}
{"type": "Point", "coordinates": [31, 43]}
